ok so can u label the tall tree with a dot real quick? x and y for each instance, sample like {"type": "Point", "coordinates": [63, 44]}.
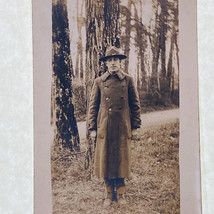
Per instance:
{"type": "Point", "coordinates": [79, 56]}
{"type": "Point", "coordinates": [125, 19]}
{"type": "Point", "coordinates": [63, 118]}
{"type": "Point", "coordinates": [163, 29]}
{"type": "Point", "coordinates": [174, 50]}
{"type": "Point", "coordinates": [141, 44]}
{"type": "Point", "coordinates": [154, 31]}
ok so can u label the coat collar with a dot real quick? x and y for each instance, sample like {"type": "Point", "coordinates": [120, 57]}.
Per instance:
{"type": "Point", "coordinates": [120, 75]}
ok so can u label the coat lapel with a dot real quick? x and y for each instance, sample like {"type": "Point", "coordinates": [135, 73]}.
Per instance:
{"type": "Point", "coordinates": [105, 76]}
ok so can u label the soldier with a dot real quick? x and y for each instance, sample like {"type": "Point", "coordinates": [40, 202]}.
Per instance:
{"type": "Point", "coordinates": [113, 118]}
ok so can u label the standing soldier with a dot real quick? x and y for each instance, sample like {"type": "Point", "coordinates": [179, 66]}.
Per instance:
{"type": "Point", "coordinates": [113, 118]}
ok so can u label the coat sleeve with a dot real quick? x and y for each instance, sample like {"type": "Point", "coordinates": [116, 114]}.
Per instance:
{"type": "Point", "coordinates": [94, 106]}
{"type": "Point", "coordinates": [134, 105]}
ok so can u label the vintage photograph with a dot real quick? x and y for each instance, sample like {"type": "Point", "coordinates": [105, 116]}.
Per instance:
{"type": "Point", "coordinates": [115, 106]}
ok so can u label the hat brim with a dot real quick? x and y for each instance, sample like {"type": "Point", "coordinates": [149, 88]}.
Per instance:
{"type": "Point", "coordinates": [120, 56]}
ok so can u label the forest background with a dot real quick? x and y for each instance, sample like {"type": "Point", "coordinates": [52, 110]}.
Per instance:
{"type": "Point", "coordinates": [145, 30]}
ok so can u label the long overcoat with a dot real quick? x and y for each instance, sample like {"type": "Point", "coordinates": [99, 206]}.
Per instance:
{"type": "Point", "coordinates": [114, 110]}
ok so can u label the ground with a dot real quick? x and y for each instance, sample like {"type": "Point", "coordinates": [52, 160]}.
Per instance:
{"type": "Point", "coordinates": [152, 189]}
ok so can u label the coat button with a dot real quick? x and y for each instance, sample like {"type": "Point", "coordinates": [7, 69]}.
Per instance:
{"type": "Point", "coordinates": [107, 98]}
{"type": "Point", "coordinates": [109, 109]}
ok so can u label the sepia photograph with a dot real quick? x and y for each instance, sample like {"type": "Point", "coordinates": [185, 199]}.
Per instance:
{"type": "Point", "coordinates": [115, 106]}
{"type": "Point", "coordinates": [115, 113]}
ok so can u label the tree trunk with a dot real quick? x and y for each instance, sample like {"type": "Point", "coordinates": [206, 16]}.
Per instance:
{"type": "Point", "coordinates": [153, 89]}
{"type": "Point", "coordinates": [79, 57]}
{"type": "Point", "coordinates": [170, 83]}
{"type": "Point", "coordinates": [125, 39]}
{"type": "Point", "coordinates": [111, 23]}
{"type": "Point", "coordinates": [63, 118]}
{"type": "Point", "coordinates": [141, 43]}
{"type": "Point", "coordinates": [164, 82]}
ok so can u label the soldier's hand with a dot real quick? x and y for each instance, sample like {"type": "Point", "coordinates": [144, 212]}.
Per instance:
{"type": "Point", "coordinates": [134, 134]}
{"type": "Point", "coordinates": [93, 134]}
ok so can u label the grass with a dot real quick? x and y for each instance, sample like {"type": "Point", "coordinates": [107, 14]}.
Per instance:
{"type": "Point", "coordinates": [153, 188]}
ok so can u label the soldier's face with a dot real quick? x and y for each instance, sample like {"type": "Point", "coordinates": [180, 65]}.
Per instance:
{"type": "Point", "coordinates": [113, 64]}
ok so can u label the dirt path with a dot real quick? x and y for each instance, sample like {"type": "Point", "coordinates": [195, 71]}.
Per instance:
{"type": "Point", "coordinates": [159, 117]}
{"type": "Point", "coordinates": [148, 119]}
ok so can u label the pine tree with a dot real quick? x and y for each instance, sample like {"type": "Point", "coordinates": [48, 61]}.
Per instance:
{"type": "Point", "coordinates": [63, 118]}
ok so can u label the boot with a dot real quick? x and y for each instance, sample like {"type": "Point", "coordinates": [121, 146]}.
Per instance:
{"type": "Point", "coordinates": [120, 195]}
{"type": "Point", "coordinates": [109, 193]}
{"type": "Point", "coordinates": [108, 200]}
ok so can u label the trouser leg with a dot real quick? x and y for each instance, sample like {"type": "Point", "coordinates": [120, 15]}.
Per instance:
{"type": "Point", "coordinates": [120, 189]}
{"type": "Point", "coordinates": [109, 188]}
{"type": "Point", "coordinates": [109, 191]}
{"type": "Point", "coordinates": [120, 182]}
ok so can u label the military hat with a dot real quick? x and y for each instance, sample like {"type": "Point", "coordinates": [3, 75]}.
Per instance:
{"type": "Point", "coordinates": [112, 51]}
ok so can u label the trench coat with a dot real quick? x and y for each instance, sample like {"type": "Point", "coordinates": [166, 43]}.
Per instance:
{"type": "Point", "coordinates": [114, 110]}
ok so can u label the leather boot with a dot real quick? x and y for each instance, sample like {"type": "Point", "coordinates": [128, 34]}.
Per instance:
{"type": "Point", "coordinates": [109, 192]}
{"type": "Point", "coordinates": [107, 202]}
{"type": "Point", "coordinates": [120, 195]}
